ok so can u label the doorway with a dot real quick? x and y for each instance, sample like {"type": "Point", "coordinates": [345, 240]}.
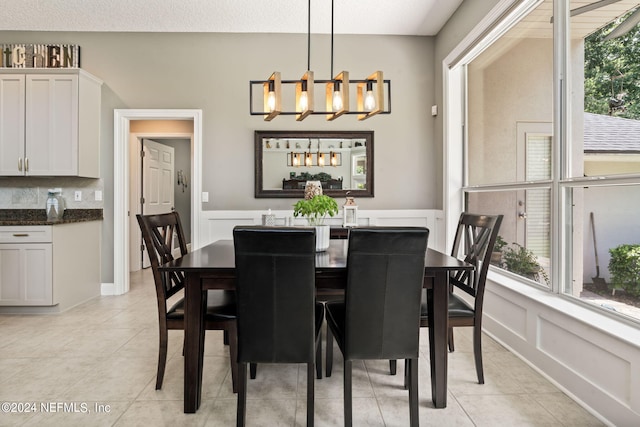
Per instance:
{"type": "Point", "coordinates": [160, 182]}
{"type": "Point", "coordinates": [121, 186]}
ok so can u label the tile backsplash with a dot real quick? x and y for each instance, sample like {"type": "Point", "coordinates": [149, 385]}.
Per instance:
{"type": "Point", "coordinates": [31, 192]}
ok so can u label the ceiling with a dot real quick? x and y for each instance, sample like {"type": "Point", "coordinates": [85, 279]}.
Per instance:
{"type": "Point", "coordinates": [388, 17]}
{"type": "Point", "coordinates": [537, 24]}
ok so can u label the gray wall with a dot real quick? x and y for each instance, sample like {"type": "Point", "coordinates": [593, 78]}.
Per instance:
{"type": "Point", "coordinates": [459, 25]}
{"type": "Point", "coordinates": [212, 71]}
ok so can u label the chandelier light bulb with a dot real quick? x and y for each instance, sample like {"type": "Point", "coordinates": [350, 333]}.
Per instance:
{"type": "Point", "coordinates": [271, 97]}
{"type": "Point", "coordinates": [337, 96]}
{"type": "Point", "coordinates": [369, 99]}
{"type": "Point", "coordinates": [304, 101]}
{"type": "Point", "coordinates": [271, 101]}
{"type": "Point", "coordinates": [337, 101]}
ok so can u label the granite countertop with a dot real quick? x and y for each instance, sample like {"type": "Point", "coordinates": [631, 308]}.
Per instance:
{"type": "Point", "coordinates": [39, 216]}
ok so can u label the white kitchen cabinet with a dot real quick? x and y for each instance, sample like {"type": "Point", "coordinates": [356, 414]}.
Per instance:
{"type": "Point", "coordinates": [50, 123]}
{"type": "Point", "coordinates": [12, 97]}
{"type": "Point", "coordinates": [49, 268]}
{"type": "Point", "coordinates": [26, 266]}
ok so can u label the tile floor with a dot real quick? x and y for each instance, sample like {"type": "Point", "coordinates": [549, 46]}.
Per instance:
{"type": "Point", "coordinates": [99, 359]}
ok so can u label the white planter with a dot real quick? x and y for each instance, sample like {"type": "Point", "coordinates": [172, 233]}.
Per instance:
{"type": "Point", "coordinates": [323, 232]}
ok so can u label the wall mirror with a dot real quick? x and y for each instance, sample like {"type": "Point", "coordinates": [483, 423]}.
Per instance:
{"type": "Point", "coordinates": [285, 160]}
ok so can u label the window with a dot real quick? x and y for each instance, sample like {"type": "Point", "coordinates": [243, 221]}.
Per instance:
{"type": "Point", "coordinates": [509, 142]}
{"type": "Point", "coordinates": [586, 178]}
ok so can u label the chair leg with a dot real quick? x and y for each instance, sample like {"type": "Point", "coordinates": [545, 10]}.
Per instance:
{"type": "Point", "coordinates": [450, 340]}
{"type": "Point", "coordinates": [348, 414]}
{"type": "Point", "coordinates": [329, 361]}
{"type": "Point", "coordinates": [406, 374]}
{"type": "Point", "coordinates": [477, 352]}
{"type": "Point", "coordinates": [242, 395]}
{"type": "Point", "coordinates": [225, 337]}
{"type": "Point", "coordinates": [413, 392]}
{"type": "Point", "coordinates": [310, 394]}
{"type": "Point", "coordinates": [162, 356]}
{"type": "Point", "coordinates": [253, 370]}
{"type": "Point", "coordinates": [319, 356]}
{"type": "Point", "coordinates": [233, 354]}
{"type": "Point", "coordinates": [393, 367]}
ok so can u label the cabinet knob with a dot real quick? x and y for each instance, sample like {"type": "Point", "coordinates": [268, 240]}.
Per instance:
{"type": "Point", "coordinates": [26, 164]}
{"type": "Point", "coordinates": [20, 164]}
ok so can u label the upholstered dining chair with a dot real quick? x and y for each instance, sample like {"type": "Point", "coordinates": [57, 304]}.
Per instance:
{"type": "Point", "coordinates": [474, 241]}
{"type": "Point", "coordinates": [279, 319]}
{"type": "Point", "coordinates": [380, 316]}
{"type": "Point", "coordinates": [159, 232]}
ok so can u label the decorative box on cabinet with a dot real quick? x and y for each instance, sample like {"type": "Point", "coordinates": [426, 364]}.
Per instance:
{"type": "Point", "coordinates": [51, 123]}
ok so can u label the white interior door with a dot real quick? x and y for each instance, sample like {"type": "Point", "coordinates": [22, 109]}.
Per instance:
{"type": "Point", "coordinates": [158, 164]}
{"type": "Point", "coordinates": [534, 164]}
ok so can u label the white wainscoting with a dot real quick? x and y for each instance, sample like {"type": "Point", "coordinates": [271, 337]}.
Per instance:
{"type": "Point", "coordinates": [592, 357]}
{"type": "Point", "coordinates": [216, 225]}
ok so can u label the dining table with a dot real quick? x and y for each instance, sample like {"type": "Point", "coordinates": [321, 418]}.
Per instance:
{"type": "Point", "coordinates": [213, 267]}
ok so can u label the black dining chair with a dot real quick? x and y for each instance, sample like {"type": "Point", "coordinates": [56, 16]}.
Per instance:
{"type": "Point", "coordinates": [380, 316]}
{"type": "Point", "coordinates": [279, 319]}
{"type": "Point", "coordinates": [159, 232]}
{"type": "Point", "coordinates": [474, 241]}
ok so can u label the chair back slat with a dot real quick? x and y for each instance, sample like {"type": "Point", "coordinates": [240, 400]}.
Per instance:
{"type": "Point", "coordinates": [275, 293]}
{"type": "Point", "coordinates": [474, 241]}
{"type": "Point", "coordinates": [385, 277]}
{"type": "Point", "coordinates": [158, 233]}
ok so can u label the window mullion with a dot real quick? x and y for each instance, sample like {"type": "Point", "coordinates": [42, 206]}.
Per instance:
{"type": "Point", "coordinates": [560, 247]}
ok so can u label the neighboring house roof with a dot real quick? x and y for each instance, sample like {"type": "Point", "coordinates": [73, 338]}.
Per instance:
{"type": "Point", "coordinates": [610, 134]}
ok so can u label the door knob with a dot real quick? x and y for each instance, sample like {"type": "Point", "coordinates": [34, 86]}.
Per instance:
{"type": "Point", "coordinates": [522, 215]}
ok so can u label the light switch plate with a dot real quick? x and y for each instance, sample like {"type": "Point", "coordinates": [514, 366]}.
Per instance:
{"type": "Point", "coordinates": [98, 195]}
{"type": "Point", "coordinates": [78, 196]}
{"type": "Point", "coordinates": [205, 196]}
{"type": "Point", "coordinates": [434, 110]}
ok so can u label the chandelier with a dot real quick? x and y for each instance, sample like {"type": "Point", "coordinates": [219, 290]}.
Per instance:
{"type": "Point", "coordinates": [373, 94]}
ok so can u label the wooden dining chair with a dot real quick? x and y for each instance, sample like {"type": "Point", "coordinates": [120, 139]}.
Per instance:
{"type": "Point", "coordinates": [380, 316]}
{"type": "Point", "coordinates": [474, 241]}
{"type": "Point", "coordinates": [159, 232]}
{"type": "Point", "coordinates": [279, 319]}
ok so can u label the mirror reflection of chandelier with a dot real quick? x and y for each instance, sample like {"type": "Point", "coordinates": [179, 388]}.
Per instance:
{"type": "Point", "coordinates": [309, 159]}
{"type": "Point", "coordinates": [372, 93]}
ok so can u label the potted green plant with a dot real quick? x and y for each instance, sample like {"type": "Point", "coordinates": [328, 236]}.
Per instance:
{"type": "Point", "coordinates": [496, 254]}
{"type": "Point", "coordinates": [524, 262]}
{"type": "Point", "coordinates": [315, 210]}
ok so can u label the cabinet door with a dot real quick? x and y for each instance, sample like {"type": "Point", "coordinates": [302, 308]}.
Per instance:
{"type": "Point", "coordinates": [12, 99]}
{"type": "Point", "coordinates": [52, 124]}
{"type": "Point", "coordinates": [26, 274]}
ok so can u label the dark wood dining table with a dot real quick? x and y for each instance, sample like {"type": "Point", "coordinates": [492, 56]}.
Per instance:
{"type": "Point", "coordinates": [213, 267]}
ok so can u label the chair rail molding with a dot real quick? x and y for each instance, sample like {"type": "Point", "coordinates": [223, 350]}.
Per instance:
{"type": "Point", "coordinates": [216, 225]}
{"type": "Point", "coordinates": [592, 357]}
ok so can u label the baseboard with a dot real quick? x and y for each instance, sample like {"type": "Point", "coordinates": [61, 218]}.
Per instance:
{"type": "Point", "coordinates": [107, 289]}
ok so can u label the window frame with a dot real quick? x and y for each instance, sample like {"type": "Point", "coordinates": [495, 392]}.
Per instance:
{"type": "Point", "coordinates": [455, 129]}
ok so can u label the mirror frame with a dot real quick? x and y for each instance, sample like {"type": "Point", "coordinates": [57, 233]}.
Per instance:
{"type": "Point", "coordinates": [261, 134]}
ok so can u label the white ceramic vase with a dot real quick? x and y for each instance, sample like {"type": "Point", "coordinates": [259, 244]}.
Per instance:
{"type": "Point", "coordinates": [323, 232]}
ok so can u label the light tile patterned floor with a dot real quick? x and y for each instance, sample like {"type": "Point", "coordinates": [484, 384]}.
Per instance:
{"type": "Point", "coordinates": [99, 359]}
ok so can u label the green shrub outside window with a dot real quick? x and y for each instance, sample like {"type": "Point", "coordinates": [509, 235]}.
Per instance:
{"type": "Point", "coordinates": [624, 267]}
